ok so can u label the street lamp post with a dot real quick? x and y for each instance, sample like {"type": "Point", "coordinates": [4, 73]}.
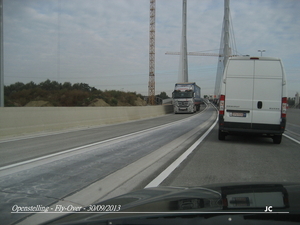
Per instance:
{"type": "Point", "coordinates": [1, 57]}
{"type": "Point", "coordinates": [261, 51]}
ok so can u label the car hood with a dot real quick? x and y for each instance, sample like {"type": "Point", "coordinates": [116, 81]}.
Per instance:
{"type": "Point", "coordinates": [237, 199]}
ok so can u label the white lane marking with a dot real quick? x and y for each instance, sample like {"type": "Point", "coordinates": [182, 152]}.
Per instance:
{"type": "Point", "coordinates": [291, 132]}
{"type": "Point", "coordinates": [163, 175]}
{"type": "Point", "coordinates": [293, 139]}
{"type": "Point", "coordinates": [97, 143]}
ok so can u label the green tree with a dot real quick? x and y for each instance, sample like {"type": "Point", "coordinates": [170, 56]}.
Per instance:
{"type": "Point", "coordinates": [67, 86]}
{"type": "Point", "coordinates": [46, 85]}
{"type": "Point", "coordinates": [163, 95]}
{"type": "Point", "coordinates": [113, 102]}
{"type": "Point", "coordinates": [55, 85]}
{"type": "Point", "coordinates": [30, 85]}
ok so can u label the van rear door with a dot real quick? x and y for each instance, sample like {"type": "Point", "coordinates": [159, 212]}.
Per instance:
{"type": "Point", "coordinates": [239, 92]}
{"type": "Point", "coordinates": [267, 94]}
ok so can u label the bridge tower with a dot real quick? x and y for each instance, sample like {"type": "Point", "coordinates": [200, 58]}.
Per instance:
{"type": "Point", "coordinates": [183, 63]}
{"type": "Point", "coordinates": [227, 46]}
{"type": "Point", "coordinates": [225, 50]}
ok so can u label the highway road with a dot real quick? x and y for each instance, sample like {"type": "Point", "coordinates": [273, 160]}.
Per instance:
{"type": "Point", "coordinates": [293, 124]}
{"type": "Point", "coordinates": [242, 159]}
{"type": "Point", "coordinates": [23, 148]}
{"type": "Point", "coordinates": [85, 166]}
{"type": "Point", "coordinates": [238, 159]}
{"type": "Point", "coordinates": [46, 169]}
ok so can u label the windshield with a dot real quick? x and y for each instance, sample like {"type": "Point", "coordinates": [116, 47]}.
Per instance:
{"type": "Point", "coordinates": [180, 94]}
{"type": "Point", "coordinates": [95, 109]}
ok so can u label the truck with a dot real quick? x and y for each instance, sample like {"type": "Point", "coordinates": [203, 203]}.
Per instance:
{"type": "Point", "coordinates": [186, 97]}
{"type": "Point", "coordinates": [253, 98]}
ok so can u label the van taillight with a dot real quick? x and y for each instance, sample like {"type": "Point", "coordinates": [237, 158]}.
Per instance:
{"type": "Point", "coordinates": [283, 107]}
{"type": "Point", "coordinates": [222, 105]}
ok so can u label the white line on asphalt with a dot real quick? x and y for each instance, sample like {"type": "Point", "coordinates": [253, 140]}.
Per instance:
{"type": "Point", "coordinates": [163, 175]}
{"type": "Point", "coordinates": [93, 144]}
{"type": "Point", "coordinates": [292, 132]}
{"type": "Point", "coordinates": [293, 139]}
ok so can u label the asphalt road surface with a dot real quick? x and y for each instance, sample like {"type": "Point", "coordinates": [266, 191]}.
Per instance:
{"type": "Point", "coordinates": [25, 148]}
{"type": "Point", "coordinates": [238, 159]}
{"type": "Point", "coordinates": [80, 158]}
{"type": "Point", "coordinates": [293, 124]}
{"type": "Point", "coordinates": [112, 160]}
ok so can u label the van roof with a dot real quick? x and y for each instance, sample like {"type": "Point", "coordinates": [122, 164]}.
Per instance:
{"type": "Point", "coordinates": [254, 57]}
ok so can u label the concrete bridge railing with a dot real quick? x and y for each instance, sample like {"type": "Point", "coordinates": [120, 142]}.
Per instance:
{"type": "Point", "coordinates": [16, 121]}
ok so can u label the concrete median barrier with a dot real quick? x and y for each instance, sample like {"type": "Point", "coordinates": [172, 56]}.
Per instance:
{"type": "Point", "coordinates": [16, 121]}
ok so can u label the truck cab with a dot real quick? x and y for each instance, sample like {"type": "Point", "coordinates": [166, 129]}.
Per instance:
{"type": "Point", "coordinates": [186, 98]}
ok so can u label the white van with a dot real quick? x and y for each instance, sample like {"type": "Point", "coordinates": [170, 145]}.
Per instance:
{"type": "Point", "coordinates": [253, 97]}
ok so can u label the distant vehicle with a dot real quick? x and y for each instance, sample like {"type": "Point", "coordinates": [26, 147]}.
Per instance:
{"type": "Point", "coordinates": [186, 97]}
{"type": "Point", "coordinates": [253, 97]}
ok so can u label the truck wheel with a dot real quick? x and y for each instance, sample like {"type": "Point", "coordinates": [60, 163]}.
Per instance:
{"type": "Point", "coordinates": [277, 139]}
{"type": "Point", "coordinates": [221, 135]}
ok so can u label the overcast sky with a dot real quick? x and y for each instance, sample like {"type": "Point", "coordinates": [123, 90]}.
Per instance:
{"type": "Point", "coordinates": [105, 43]}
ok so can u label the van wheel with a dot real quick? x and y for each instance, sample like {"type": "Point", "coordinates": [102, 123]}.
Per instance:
{"type": "Point", "coordinates": [277, 139]}
{"type": "Point", "coordinates": [221, 135]}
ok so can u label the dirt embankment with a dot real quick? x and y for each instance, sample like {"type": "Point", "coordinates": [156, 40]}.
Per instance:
{"type": "Point", "coordinates": [98, 102]}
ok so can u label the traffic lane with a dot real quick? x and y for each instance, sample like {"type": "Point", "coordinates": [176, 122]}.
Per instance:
{"type": "Point", "coordinates": [293, 123]}
{"type": "Point", "coordinates": [48, 183]}
{"type": "Point", "coordinates": [103, 158]}
{"type": "Point", "coordinates": [238, 159]}
{"type": "Point", "coordinates": [13, 151]}
{"type": "Point", "coordinates": [293, 131]}
{"type": "Point", "coordinates": [293, 116]}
